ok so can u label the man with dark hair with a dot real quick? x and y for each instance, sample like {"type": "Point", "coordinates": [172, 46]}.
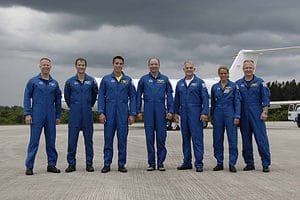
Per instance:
{"type": "Point", "coordinates": [156, 90]}
{"type": "Point", "coordinates": [115, 112]}
{"type": "Point", "coordinates": [254, 111]}
{"type": "Point", "coordinates": [80, 94]}
{"type": "Point", "coordinates": [42, 109]}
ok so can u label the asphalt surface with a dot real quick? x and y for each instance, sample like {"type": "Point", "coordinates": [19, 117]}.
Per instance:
{"type": "Point", "coordinates": [283, 182]}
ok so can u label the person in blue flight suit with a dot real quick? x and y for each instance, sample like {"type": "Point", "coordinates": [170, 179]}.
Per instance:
{"type": "Point", "coordinates": [80, 95]}
{"type": "Point", "coordinates": [225, 112]}
{"type": "Point", "coordinates": [192, 104]}
{"type": "Point", "coordinates": [42, 109]}
{"type": "Point", "coordinates": [116, 89]}
{"type": "Point", "coordinates": [157, 92]}
{"type": "Point", "coordinates": [254, 111]}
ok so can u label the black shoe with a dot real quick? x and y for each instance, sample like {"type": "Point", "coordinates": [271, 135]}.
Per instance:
{"type": "Point", "coordinates": [218, 168]}
{"type": "Point", "coordinates": [232, 168]}
{"type": "Point", "coordinates": [161, 168]}
{"type": "Point", "coordinates": [249, 168]}
{"type": "Point", "coordinates": [105, 169]}
{"type": "Point", "coordinates": [184, 167]}
{"type": "Point", "coordinates": [89, 168]}
{"type": "Point", "coordinates": [122, 169]}
{"type": "Point", "coordinates": [29, 171]}
{"type": "Point", "coordinates": [70, 168]}
{"type": "Point", "coordinates": [151, 168]}
{"type": "Point", "coordinates": [266, 169]}
{"type": "Point", "coordinates": [199, 169]}
{"type": "Point", "coordinates": [53, 169]}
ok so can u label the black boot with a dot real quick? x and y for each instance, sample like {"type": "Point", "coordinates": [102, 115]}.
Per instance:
{"type": "Point", "coordinates": [151, 168]}
{"type": "Point", "coordinates": [70, 168]}
{"type": "Point", "coordinates": [53, 169]}
{"type": "Point", "coordinates": [218, 168]}
{"type": "Point", "coordinates": [266, 169]}
{"type": "Point", "coordinates": [105, 169]}
{"type": "Point", "coordinates": [249, 168]}
{"type": "Point", "coordinates": [122, 169]}
{"type": "Point", "coordinates": [232, 168]}
{"type": "Point", "coordinates": [184, 167]}
{"type": "Point", "coordinates": [29, 171]}
{"type": "Point", "coordinates": [89, 168]}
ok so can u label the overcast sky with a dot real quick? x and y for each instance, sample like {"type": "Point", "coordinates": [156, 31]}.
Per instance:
{"type": "Point", "coordinates": [208, 32]}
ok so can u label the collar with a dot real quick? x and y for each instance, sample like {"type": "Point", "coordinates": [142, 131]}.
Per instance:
{"type": "Point", "coordinates": [253, 79]}
{"type": "Point", "coordinates": [113, 75]}
{"type": "Point", "coordinates": [190, 79]}
{"type": "Point", "coordinates": [85, 77]}
{"type": "Point", "coordinates": [40, 77]}
{"type": "Point", "coordinates": [158, 75]}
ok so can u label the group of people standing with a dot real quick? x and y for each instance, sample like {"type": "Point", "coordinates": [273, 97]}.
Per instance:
{"type": "Point", "coordinates": [244, 103]}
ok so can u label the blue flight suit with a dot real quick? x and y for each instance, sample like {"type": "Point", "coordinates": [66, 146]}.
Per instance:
{"type": "Point", "coordinates": [113, 99]}
{"type": "Point", "coordinates": [255, 95]}
{"type": "Point", "coordinates": [42, 100]}
{"type": "Point", "coordinates": [225, 107]}
{"type": "Point", "coordinates": [191, 101]}
{"type": "Point", "coordinates": [157, 92]}
{"type": "Point", "coordinates": [80, 98]}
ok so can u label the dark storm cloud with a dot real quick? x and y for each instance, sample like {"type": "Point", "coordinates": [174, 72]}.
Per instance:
{"type": "Point", "coordinates": [209, 32]}
{"type": "Point", "coordinates": [175, 18]}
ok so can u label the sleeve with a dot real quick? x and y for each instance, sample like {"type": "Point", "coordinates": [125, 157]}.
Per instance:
{"type": "Point", "coordinates": [170, 100]}
{"type": "Point", "coordinates": [132, 96]}
{"type": "Point", "coordinates": [101, 97]}
{"type": "Point", "coordinates": [94, 93]}
{"type": "Point", "coordinates": [205, 99]}
{"type": "Point", "coordinates": [58, 102]}
{"type": "Point", "coordinates": [176, 105]}
{"type": "Point", "coordinates": [265, 94]}
{"type": "Point", "coordinates": [212, 101]}
{"type": "Point", "coordinates": [67, 93]}
{"type": "Point", "coordinates": [27, 98]}
{"type": "Point", "coordinates": [237, 102]}
{"type": "Point", "coordinates": [139, 93]}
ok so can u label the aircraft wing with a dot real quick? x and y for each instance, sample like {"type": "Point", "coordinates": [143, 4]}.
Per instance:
{"type": "Point", "coordinates": [236, 72]}
{"type": "Point", "coordinates": [278, 104]}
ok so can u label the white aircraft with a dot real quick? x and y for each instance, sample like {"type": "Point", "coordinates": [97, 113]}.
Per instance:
{"type": "Point", "coordinates": [235, 73]}
{"type": "Point", "coordinates": [294, 113]}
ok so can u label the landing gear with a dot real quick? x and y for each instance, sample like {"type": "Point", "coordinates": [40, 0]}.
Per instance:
{"type": "Point", "coordinates": [171, 127]}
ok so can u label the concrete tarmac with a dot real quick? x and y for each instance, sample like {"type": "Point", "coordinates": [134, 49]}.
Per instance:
{"type": "Point", "coordinates": [283, 182]}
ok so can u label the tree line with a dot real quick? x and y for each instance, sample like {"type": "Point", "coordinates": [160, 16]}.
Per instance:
{"type": "Point", "coordinates": [280, 91]}
{"type": "Point", "coordinates": [286, 90]}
